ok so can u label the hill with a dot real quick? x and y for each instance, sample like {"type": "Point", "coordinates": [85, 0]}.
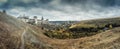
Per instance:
{"type": "Point", "coordinates": [83, 28]}
{"type": "Point", "coordinates": [15, 34]}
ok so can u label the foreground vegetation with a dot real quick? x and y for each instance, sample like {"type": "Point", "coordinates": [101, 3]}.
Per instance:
{"type": "Point", "coordinates": [84, 28]}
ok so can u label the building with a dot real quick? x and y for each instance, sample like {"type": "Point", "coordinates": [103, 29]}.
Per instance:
{"type": "Point", "coordinates": [24, 18]}
{"type": "Point", "coordinates": [33, 20]}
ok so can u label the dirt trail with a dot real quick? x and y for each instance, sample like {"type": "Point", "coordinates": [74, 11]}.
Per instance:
{"type": "Point", "coordinates": [23, 39]}
{"type": "Point", "coordinates": [32, 36]}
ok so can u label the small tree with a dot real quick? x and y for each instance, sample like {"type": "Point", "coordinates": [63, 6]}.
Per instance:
{"type": "Point", "coordinates": [4, 11]}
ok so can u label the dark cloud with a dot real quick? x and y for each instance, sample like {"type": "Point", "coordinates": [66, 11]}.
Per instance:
{"type": "Point", "coordinates": [24, 3]}
{"type": "Point", "coordinates": [73, 1]}
{"type": "Point", "coordinates": [65, 8]}
{"type": "Point", "coordinates": [106, 2]}
{"type": "Point", "coordinates": [85, 4]}
{"type": "Point", "coordinates": [31, 3]}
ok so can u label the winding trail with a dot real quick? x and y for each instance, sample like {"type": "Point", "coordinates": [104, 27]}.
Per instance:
{"type": "Point", "coordinates": [22, 39]}
{"type": "Point", "coordinates": [29, 37]}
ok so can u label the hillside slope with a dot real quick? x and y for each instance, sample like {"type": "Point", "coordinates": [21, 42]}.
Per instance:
{"type": "Point", "coordinates": [15, 34]}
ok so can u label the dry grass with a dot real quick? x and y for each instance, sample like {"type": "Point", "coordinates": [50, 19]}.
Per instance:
{"type": "Point", "coordinates": [10, 38]}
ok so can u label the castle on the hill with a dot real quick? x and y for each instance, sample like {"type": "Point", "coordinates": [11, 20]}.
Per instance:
{"type": "Point", "coordinates": [35, 20]}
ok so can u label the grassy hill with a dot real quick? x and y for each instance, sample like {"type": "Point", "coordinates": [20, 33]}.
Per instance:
{"type": "Point", "coordinates": [85, 28]}
{"type": "Point", "coordinates": [115, 22]}
{"type": "Point", "coordinates": [15, 34]}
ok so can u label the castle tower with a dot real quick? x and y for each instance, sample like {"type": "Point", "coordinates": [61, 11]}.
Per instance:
{"type": "Point", "coordinates": [42, 18]}
{"type": "Point", "coordinates": [35, 19]}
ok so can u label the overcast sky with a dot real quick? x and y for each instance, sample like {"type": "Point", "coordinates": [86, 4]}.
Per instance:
{"type": "Point", "coordinates": [63, 9]}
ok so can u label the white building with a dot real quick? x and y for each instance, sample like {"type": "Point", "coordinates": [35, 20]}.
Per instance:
{"type": "Point", "coordinates": [23, 18]}
{"type": "Point", "coordinates": [33, 20]}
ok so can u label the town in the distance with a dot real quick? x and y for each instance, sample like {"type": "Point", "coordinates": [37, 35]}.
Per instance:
{"type": "Point", "coordinates": [36, 20]}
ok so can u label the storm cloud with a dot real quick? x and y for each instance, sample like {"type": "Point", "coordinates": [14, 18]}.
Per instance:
{"type": "Point", "coordinates": [63, 9]}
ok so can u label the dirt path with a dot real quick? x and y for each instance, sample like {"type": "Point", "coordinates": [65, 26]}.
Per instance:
{"type": "Point", "coordinates": [23, 39]}
{"type": "Point", "coordinates": [29, 36]}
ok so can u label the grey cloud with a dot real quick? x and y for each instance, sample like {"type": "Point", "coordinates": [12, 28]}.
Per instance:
{"type": "Point", "coordinates": [64, 9]}
{"type": "Point", "coordinates": [37, 3]}
{"type": "Point", "coordinates": [23, 3]}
